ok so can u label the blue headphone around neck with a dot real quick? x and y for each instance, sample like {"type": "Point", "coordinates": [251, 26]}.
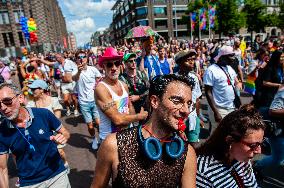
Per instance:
{"type": "Point", "coordinates": [152, 147]}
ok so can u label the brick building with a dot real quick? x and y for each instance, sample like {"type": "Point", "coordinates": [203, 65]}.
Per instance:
{"type": "Point", "coordinates": [51, 26]}
{"type": "Point", "coordinates": [72, 44]}
{"type": "Point", "coordinates": [164, 16]}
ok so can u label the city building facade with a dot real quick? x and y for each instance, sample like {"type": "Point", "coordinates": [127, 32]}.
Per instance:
{"type": "Point", "coordinates": [164, 16]}
{"type": "Point", "coordinates": [51, 27]}
{"type": "Point", "coordinates": [72, 44]}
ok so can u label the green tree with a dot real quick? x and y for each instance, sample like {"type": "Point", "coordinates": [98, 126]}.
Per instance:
{"type": "Point", "coordinates": [280, 23]}
{"type": "Point", "coordinates": [255, 13]}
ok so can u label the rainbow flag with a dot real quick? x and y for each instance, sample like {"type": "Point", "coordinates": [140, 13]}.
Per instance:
{"type": "Point", "coordinates": [250, 84]}
{"type": "Point", "coordinates": [202, 19]}
{"type": "Point", "coordinates": [193, 18]}
{"type": "Point", "coordinates": [212, 12]}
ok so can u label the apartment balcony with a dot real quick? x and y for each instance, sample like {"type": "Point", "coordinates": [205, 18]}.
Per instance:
{"type": "Point", "coordinates": [160, 2]}
{"type": "Point", "coordinates": [140, 4]}
{"type": "Point", "coordinates": [180, 26]}
{"type": "Point", "coordinates": [161, 27]}
{"type": "Point", "coordinates": [160, 15]}
{"type": "Point", "coordinates": [139, 17]}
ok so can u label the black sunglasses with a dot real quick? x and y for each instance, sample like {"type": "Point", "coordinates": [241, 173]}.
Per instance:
{"type": "Point", "coordinates": [110, 64]}
{"type": "Point", "coordinates": [82, 56]}
{"type": "Point", "coordinates": [7, 101]}
{"type": "Point", "coordinates": [33, 89]}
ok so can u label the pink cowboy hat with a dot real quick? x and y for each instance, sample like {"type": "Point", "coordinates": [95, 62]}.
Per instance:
{"type": "Point", "coordinates": [110, 54]}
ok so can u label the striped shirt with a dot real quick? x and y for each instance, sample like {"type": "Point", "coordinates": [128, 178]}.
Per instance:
{"type": "Point", "coordinates": [213, 173]}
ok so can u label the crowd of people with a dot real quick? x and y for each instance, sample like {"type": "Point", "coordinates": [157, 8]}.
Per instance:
{"type": "Point", "coordinates": [141, 103]}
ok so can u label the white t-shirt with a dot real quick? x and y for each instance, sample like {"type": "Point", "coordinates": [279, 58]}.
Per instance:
{"type": "Point", "coordinates": [54, 105]}
{"type": "Point", "coordinates": [86, 84]}
{"type": "Point", "coordinates": [196, 93]}
{"type": "Point", "coordinates": [223, 93]}
{"type": "Point", "coordinates": [70, 67]}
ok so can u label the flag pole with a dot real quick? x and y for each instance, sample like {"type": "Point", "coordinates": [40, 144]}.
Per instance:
{"type": "Point", "coordinates": [199, 30]}
{"type": "Point", "coordinates": [191, 27]}
{"type": "Point", "coordinates": [209, 20]}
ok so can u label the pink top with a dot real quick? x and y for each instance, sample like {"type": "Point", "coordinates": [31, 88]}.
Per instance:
{"type": "Point", "coordinates": [5, 72]}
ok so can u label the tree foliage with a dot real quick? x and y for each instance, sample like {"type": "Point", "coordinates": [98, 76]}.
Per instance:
{"type": "Point", "coordinates": [255, 14]}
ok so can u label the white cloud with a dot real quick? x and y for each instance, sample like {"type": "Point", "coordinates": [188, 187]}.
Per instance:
{"type": "Point", "coordinates": [83, 16]}
{"type": "Point", "coordinates": [82, 28]}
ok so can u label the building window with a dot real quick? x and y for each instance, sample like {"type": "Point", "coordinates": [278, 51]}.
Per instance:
{"type": "Point", "coordinates": [140, 1]}
{"type": "Point", "coordinates": [4, 17]}
{"type": "Point", "coordinates": [21, 38]}
{"type": "Point", "coordinates": [179, 22]}
{"type": "Point", "coordinates": [126, 7]}
{"type": "Point", "coordinates": [143, 22]}
{"type": "Point", "coordinates": [122, 21]}
{"type": "Point", "coordinates": [161, 23]}
{"type": "Point", "coordinates": [179, 10]}
{"type": "Point", "coordinates": [18, 15]}
{"type": "Point", "coordinates": [141, 11]}
{"type": "Point", "coordinates": [11, 38]}
{"type": "Point", "coordinates": [6, 42]}
{"type": "Point", "coordinates": [160, 10]}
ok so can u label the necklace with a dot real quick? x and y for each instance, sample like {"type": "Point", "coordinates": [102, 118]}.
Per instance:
{"type": "Point", "coordinates": [162, 139]}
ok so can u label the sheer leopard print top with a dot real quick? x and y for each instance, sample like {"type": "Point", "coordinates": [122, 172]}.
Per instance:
{"type": "Point", "coordinates": [135, 170]}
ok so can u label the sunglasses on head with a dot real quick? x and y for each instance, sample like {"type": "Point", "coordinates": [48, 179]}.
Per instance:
{"type": "Point", "coordinates": [7, 101]}
{"type": "Point", "coordinates": [110, 64]}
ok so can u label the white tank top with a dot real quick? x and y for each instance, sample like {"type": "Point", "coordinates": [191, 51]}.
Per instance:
{"type": "Point", "coordinates": [106, 126]}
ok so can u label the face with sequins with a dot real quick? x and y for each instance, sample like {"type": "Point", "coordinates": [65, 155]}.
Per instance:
{"type": "Point", "coordinates": [175, 104]}
{"type": "Point", "coordinates": [245, 149]}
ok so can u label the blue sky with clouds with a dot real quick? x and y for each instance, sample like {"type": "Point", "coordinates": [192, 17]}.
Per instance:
{"type": "Point", "coordinates": [84, 17]}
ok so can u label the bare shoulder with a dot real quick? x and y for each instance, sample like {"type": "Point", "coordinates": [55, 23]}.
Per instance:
{"type": "Point", "coordinates": [101, 91]}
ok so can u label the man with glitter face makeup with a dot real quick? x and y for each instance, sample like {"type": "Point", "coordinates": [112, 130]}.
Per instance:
{"type": "Point", "coordinates": [115, 110]}
{"type": "Point", "coordinates": [154, 154]}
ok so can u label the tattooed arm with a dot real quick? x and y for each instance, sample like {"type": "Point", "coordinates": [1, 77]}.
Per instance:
{"type": "Point", "coordinates": [108, 106]}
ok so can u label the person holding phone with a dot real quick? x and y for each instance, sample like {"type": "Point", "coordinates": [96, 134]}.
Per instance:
{"type": "Point", "coordinates": [87, 78]}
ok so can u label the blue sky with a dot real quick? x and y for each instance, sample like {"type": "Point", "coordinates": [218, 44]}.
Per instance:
{"type": "Point", "coordinates": [84, 17]}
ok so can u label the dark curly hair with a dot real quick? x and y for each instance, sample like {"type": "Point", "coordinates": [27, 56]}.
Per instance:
{"type": "Point", "coordinates": [159, 83]}
{"type": "Point", "coordinates": [236, 124]}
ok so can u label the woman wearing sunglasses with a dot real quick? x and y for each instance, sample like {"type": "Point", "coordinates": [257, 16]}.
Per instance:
{"type": "Point", "coordinates": [41, 99]}
{"type": "Point", "coordinates": [224, 159]}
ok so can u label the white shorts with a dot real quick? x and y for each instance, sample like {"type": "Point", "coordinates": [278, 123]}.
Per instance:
{"type": "Point", "coordinates": [68, 87]}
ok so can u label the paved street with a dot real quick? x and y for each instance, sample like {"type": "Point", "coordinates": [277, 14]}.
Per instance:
{"type": "Point", "coordinates": [82, 158]}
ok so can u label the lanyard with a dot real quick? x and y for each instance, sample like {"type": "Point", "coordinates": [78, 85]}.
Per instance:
{"type": "Point", "coordinates": [26, 139]}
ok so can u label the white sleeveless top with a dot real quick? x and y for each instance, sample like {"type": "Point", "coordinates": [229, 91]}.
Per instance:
{"type": "Point", "coordinates": [106, 125]}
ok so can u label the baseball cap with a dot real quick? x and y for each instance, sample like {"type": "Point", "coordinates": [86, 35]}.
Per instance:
{"type": "Point", "coordinates": [38, 84]}
{"type": "Point", "coordinates": [224, 50]}
{"type": "Point", "coordinates": [128, 55]}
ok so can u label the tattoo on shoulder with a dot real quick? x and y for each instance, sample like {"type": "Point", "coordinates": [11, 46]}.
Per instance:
{"type": "Point", "coordinates": [108, 106]}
